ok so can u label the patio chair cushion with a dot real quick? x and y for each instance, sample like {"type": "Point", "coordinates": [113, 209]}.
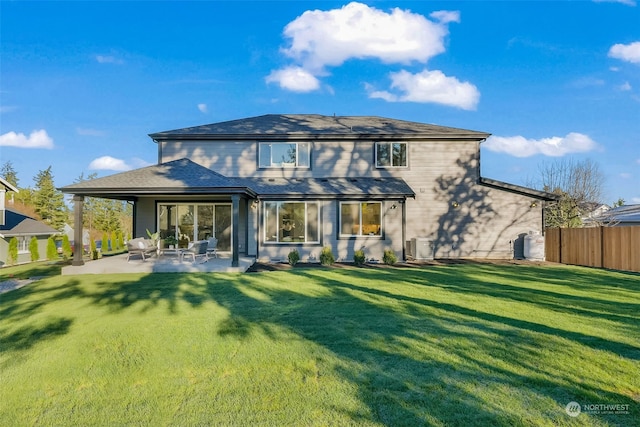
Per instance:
{"type": "Point", "coordinates": [140, 246]}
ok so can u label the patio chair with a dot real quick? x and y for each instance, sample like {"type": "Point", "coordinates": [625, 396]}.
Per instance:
{"type": "Point", "coordinates": [195, 250]}
{"type": "Point", "coordinates": [212, 247]}
{"type": "Point", "coordinates": [141, 246]}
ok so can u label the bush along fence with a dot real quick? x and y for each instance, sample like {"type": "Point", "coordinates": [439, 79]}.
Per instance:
{"type": "Point", "coordinates": [615, 248]}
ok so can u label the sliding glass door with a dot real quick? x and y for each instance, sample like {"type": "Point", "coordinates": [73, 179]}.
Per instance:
{"type": "Point", "coordinates": [196, 221]}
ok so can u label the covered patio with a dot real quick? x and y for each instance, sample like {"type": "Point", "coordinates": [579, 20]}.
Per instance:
{"type": "Point", "coordinates": [163, 264]}
{"type": "Point", "coordinates": [178, 187]}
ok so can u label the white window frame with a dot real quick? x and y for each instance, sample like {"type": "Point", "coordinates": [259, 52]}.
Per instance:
{"type": "Point", "coordinates": [360, 227]}
{"type": "Point", "coordinates": [23, 244]}
{"type": "Point", "coordinates": [280, 165]}
{"type": "Point", "coordinates": [278, 204]}
{"type": "Point", "coordinates": [390, 144]}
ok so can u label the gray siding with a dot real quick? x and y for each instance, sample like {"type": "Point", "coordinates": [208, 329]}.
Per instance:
{"type": "Point", "coordinates": [484, 223]}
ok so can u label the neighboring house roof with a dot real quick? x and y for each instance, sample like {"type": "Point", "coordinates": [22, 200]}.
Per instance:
{"type": "Point", "coordinates": [17, 224]}
{"type": "Point", "coordinates": [315, 126]}
{"type": "Point", "coordinates": [7, 185]}
{"type": "Point", "coordinates": [187, 177]}
{"type": "Point", "coordinates": [517, 189]}
{"type": "Point", "coordinates": [182, 177]}
{"type": "Point", "coordinates": [621, 215]}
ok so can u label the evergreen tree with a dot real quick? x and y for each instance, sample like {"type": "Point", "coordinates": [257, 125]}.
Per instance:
{"type": "Point", "coordinates": [66, 247]}
{"type": "Point", "coordinates": [52, 251]}
{"type": "Point", "coordinates": [33, 249]}
{"type": "Point", "coordinates": [9, 173]}
{"type": "Point", "coordinates": [105, 242]}
{"type": "Point", "coordinates": [49, 202]}
{"type": "Point", "coordinates": [13, 251]}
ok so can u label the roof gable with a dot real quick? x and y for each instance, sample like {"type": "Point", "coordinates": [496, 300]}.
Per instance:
{"type": "Point", "coordinates": [17, 223]}
{"type": "Point", "coordinates": [315, 125]}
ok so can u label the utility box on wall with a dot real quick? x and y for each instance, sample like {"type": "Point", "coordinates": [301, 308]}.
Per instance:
{"type": "Point", "coordinates": [422, 248]}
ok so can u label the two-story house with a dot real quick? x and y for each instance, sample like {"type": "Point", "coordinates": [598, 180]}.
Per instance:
{"type": "Point", "coordinates": [266, 185]}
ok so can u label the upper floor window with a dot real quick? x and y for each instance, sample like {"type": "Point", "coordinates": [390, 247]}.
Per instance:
{"type": "Point", "coordinates": [284, 155]}
{"type": "Point", "coordinates": [391, 154]}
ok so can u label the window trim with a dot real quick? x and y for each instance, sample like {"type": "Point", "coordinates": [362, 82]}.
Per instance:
{"type": "Point", "coordinates": [390, 165]}
{"type": "Point", "coordinates": [306, 233]}
{"type": "Point", "coordinates": [282, 165]}
{"type": "Point", "coordinates": [342, 235]}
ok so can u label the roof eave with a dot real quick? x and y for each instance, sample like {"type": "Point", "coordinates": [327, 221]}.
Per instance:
{"type": "Point", "coordinates": [158, 137]}
{"type": "Point", "coordinates": [517, 189]}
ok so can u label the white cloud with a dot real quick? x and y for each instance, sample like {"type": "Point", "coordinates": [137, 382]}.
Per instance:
{"type": "Point", "coordinates": [295, 79]}
{"type": "Point", "coordinates": [626, 52]}
{"type": "Point", "coordinates": [320, 39]}
{"type": "Point", "coordinates": [627, 2]}
{"type": "Point", "coordinates": [635, 200]}
{"type": "Point", "coordinates": [625, 175]}
{"type": "Point", "coordinates": [109, 163]}
{"type": "Point", "coordinates": [520, 146]}
{"type": "Point", "coordinates": [430, 86]}
{"type": "Point", "coordinates": [625, 87]}
{"type": "Point", "coordinates": [202, 108]}
{"type": "Point", "coordinates": [108, 59]}
{"type": "Point", "coordinates": [37, 139]}
{"type": "Point", "coordinates": [7, 108]}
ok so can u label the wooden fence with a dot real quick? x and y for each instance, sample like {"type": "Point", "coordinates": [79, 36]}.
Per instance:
{"type": "Point", "coordinates": [617, 248]}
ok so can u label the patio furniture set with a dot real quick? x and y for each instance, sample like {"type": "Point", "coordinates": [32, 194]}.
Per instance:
{"type": "Point", "coordinates": [199, 249]}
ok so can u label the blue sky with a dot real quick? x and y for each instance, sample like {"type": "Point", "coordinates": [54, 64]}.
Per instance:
{"type": "Point", "coordinates": [82, 84]}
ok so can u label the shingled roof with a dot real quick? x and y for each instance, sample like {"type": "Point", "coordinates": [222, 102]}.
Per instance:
{"type": "Point", "coordinates": [292, 126]}
{"type": "Point", "coordinates": [330, 187]}
{"type": "Point", "coordinates": [18, 224]}
{"type": "Point", "coordinates": [184, 177]}
{"type": "Point", "coordinates": [176, 177]}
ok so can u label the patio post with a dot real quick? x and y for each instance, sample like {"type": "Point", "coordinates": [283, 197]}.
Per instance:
{"type": "Point", "coordinates": [235, 236]}
{"type": "Point", "coordinates": [78, 204]}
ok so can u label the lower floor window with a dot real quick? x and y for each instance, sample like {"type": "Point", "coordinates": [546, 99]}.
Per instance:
{"type": "Point", "coordinates": [23, 244]}
{"type": "Point", "coordinates": [286, 222]}
{"type": "Point", "coordinates": [361, 219]}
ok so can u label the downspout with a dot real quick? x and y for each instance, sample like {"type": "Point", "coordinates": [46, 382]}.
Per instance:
{"type": "Point", "coordinates": [404, 229]}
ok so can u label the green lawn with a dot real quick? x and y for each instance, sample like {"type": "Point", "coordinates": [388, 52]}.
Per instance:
{"type": "Point", "coordinates": [462, 345]}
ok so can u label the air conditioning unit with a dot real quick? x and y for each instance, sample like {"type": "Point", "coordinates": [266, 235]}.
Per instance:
{"type": "Point", "coordinates": [422, 248]}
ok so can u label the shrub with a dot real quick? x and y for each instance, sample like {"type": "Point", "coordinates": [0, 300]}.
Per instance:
{"type": "Point", "coordinates": [33, 249]}
{"type": "Point", "coordinates": [93, 249]}
{"type": "Point", "coordinates": [52, 251]}
{"type": "Point", "coordinates": [294, 257]}
{"type": "Point", "coordinates": [66, 247]}
{"type": "Point", "coordinates": [389, 257]}
{"type": "Point", "coordinates": [120, 240]}
{"type": "Point", "coordinates": [326, 256]}
{"type": "Point", "coordinates": [358, 257]}
{"type": "Point", "coordinates": [114, 244]}
{"type": "Point", "coordinates": [105, 242]}
{"type": "Point", "coordinates": [13, 251]}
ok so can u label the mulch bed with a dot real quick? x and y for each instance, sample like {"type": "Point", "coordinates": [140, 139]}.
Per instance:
{"type": "Point", "coordinates": [260, 267]}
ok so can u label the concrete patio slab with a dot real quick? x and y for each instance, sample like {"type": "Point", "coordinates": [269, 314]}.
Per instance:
{"type": "Point", "coordinates": [163, 264]}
